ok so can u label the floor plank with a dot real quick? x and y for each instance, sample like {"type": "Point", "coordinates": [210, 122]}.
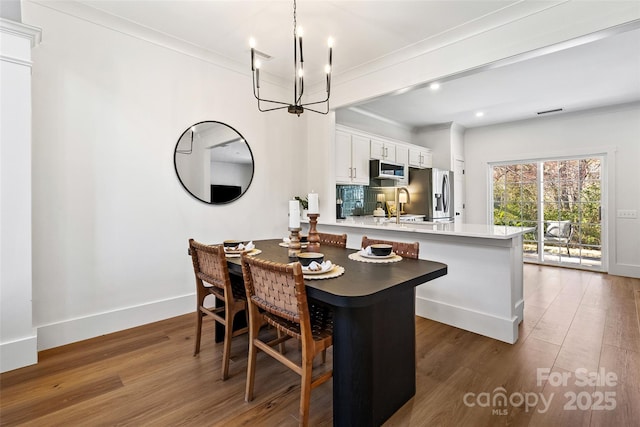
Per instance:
{"type": "Point", "coordinates": [149, 376]}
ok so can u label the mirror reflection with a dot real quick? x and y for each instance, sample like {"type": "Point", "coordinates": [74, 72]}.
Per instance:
{"type": "Point", "coordinates": [213, 162]}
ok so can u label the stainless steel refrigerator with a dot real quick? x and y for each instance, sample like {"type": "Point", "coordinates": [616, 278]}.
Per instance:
{"type": "Point", "coordinates": [431, 192]}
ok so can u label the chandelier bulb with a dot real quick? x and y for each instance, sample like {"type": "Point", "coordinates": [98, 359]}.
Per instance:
{"type": "Point", "coordinates": [330, 42]}
{"type": "Point", "coordinates": [252, 43]}
{"type": "Point", "coordinates": [299, 32]}
{"type": "Point", "coordinates": [300, 72]}
{"type": "Point", "coordinates": [257, 64]}
{"type": "Point", "coordinates": [327, 68]}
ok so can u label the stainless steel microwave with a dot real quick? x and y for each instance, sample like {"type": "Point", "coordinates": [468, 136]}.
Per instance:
{"type": "Point", "coordinates": [380, 169]}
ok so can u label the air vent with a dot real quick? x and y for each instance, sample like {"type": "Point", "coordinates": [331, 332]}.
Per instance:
{"type": "Point", "coordinates": [557, 110]}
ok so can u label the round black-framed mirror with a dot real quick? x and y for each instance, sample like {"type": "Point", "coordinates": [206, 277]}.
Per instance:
{"type": "Point", "coordinates": [213, 162]}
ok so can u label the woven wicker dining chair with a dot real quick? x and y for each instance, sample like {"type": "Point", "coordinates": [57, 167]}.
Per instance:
{"type": "Point", "coordinates": [212, 278]}
{"type": "Point", "coordinates": [406, 250]}
{"type": "Point", "coordinates": [337, 240]}
{"type": "Point", "coordinates": [276, 293]}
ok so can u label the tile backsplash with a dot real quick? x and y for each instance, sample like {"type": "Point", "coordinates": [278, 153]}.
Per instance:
{"type": "Point", "coordinates": [361, 195]}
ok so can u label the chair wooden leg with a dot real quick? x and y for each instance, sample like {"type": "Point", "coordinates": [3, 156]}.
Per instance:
{"type": "Point", "coordinates": [305, 390]}
{"type": "Point", "coordinates": [226, 352]}
{"type": "Point", "coordinates": [199, 315]}
{"type": "Point", "coordinates": [254, 328]}
{"type": "Point", "coordinates": [281, 346]}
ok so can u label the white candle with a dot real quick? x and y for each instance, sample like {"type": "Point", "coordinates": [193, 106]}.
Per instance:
{"type": "Point", "coordinates": [294, 214]}
{"type": "Point", "coordinates": [313, 203]}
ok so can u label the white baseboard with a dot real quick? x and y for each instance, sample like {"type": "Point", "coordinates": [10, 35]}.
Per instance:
{"type": "Point", "coordinates": [520, 311]}
{"type": "Point", "coordinates": [82, 328]}
{"type": "Point", "coordinates": [626, 270]}
{"type": "Point", "coordinates": [19, 353]}
{"type": "Point", "coordinates": [481, 323]}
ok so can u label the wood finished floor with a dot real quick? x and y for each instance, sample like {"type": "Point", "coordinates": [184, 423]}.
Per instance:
{"type": "Point", "coordinates": [148, 376]}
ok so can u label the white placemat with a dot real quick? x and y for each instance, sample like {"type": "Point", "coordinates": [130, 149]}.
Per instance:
{"type": "Point", "coordinates": [357, 257]}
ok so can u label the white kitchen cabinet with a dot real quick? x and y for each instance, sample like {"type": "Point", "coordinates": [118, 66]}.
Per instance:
{"type": "Point", "coordinates": [402, 157]}
{"type": "Point", "coordinates": [383, 150]}
{"type": "Point", "coordinates": [352, 158]}
{"type": "Point", "coordinates": [420, 157]}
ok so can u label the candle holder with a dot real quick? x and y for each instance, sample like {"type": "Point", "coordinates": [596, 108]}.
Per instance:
{"type": "Point", "coordinates": [314, 239]}
{"type": "Point", "coordinates": [294, 242]}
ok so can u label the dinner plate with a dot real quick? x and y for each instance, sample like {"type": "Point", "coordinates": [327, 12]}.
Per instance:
{"type": "Point", "coordinates": [391, 255]}
{"type": "Point", "coordinates": [286, 245]}
{"type": "Point", "coordinates": [235, 251]}
{"type": "Point", "coordinates": [336, 271]}
{"type": "Point", "coordinates": [312, 273]}
{"type": "Point", "coordinates": [249, 252]}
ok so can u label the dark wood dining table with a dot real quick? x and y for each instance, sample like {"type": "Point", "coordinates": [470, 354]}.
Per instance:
{"type": "Point", "coordinates": [374, 363]}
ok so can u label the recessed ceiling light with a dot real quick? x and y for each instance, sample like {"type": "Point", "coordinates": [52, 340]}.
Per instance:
{"type": "Point", "coordinates": [434, 86]}
{"type": "Point", "coordinates": [479, 113]}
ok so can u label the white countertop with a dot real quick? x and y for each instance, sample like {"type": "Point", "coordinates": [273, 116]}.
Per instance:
{"type": "Point", "coordinates": [453, 229]}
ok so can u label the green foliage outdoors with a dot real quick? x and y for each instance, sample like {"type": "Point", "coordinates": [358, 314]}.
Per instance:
{"type": "Point", "coordinates": [570, 191]}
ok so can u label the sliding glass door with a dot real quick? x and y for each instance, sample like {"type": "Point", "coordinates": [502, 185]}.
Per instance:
{"type": "Point", "coordinates": [561, 199]}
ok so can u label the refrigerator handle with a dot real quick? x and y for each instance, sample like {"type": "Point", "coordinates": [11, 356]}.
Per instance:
{"type": "Point", "coordinates": [445, 193]}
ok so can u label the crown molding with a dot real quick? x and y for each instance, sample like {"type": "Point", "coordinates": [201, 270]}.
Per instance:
{"type": "Point", "coordinates": [29, 32]}
{"type": "Point", "coordinates": [158, 38]}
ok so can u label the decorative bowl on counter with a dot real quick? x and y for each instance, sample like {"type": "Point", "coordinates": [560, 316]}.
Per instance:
{"type": "Point", "coordinates": [307, 258]}
{"type": "Point", "coordinates": [381, 249]}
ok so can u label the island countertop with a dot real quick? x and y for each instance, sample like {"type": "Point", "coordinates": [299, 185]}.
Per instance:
{"type": "Point", "coordinates": [485, 231]}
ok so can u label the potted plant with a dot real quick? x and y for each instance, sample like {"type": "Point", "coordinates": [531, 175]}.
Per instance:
{"type": "Point", "coordinates": [304, 204]}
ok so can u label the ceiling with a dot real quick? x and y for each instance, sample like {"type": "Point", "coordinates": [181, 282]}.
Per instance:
{"type": "Point", "coordinates": [602, 72]}
{"type": "Point", "coordinates": [363, 31]}
{"type": "Point", "coordinates": [596, 74]}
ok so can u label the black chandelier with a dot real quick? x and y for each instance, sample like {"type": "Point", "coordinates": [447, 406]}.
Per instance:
{"type": "Point", "coordinates": [297, 107]}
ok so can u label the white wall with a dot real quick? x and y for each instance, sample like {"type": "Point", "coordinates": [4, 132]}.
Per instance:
{"type": "Point", "coordinates": [374, 125]}
{"type": "Point", "coordinates": [438, 138]}
{"type": "Point", "coordinates": [613, 131]}
{"type": "Point", "coordinates": [11, 10]}
{"type": "Point", "coordinates": [110, 218]}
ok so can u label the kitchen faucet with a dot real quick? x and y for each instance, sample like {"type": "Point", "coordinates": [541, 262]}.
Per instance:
{"type": "Point", "coordinates": [397, 200]}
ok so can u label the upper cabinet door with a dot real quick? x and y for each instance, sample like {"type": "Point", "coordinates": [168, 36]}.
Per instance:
{"type": "Point", "coordinates": [402, 157]}
{"type": "Point", "coordinates": [344, 170]}
{"type": "Point", "coordinates": [427, 159]}
{"type": "Point", "coordinates": [383, 150]}
{"type": "Point", "coordinates": [360, 160]}
{"type": "Point", "coordinates": [390, 152]}
{"type": "Point", "coordinates": [414, 158]}
{"type": "Point", "coordinates": [352, 159]}
{"type": "Point", "coordinates": [420, 157]}
{"type": "Point", "coordinates": [377, 149]}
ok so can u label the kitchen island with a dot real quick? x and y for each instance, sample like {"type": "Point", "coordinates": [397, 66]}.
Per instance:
{"type": "Point", "coordinates": [483, 290]}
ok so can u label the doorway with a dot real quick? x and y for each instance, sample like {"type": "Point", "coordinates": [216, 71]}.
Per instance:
{"type": "Point", "coordinates": [561, 199]}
